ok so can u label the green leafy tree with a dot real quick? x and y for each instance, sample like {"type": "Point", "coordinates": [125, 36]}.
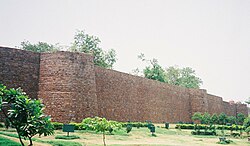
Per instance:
{"type": "Point", "coordinates": [240, 118]}
{"type": "Point", "coordinates": [188, 78]}
{"type": "Point", "coordinates": [222, 118]}
{"type": "Point", "coordinates": [173, 75]}
{"type": "Point", "coordinates": [231, 119]}
{"type": "Point", "coordinates": [197, 116]}
{"type": "Point", "coordinates": [214, 119]}
{"type": "Point", "coordinates": [39, 47]}
{"type": "Point", "coordinates": [184, 77]}
{"type": "Point", "coordinates": [24, 114]}
{"type": "Point", "coordinates": [101, 125]}
{"type": "Point", "coordinates": [90, 44]}
{"type": "Point", "coordinates": [206, 118]}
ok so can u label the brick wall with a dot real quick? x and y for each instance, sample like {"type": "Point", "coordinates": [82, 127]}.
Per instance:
{"type": "Point", "coordinates": [72, 88]}
{"type": "Point", "coordinates": [20, 68]}
{"type": "Point", "coordinates": [126, 97]}
{"type": "Point", "coordinates": [215, 104]}
{"type": "Point", "coordinates": [67, 86]}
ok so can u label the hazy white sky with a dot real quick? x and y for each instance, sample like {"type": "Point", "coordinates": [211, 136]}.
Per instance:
{"type": "Point", "coordinates": [211, 36]}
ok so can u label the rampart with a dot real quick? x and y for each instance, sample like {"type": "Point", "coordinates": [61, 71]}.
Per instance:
{"type": "Point", "coordinates": [72, 88]}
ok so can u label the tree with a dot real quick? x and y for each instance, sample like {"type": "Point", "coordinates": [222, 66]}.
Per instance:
{"type": "Point", "coordinates": [240, 118]}
{"type": "Point", "coordinates": [39, 47]}
{"type": "Point", "coordinates": [206, 118]}
{"type": "Point", "coordinates": [90, 44]}
{"type": "Point", "coordinates": [214, 118]}
{"type": "Point", "coordinates": [231, 119]}
{"type": "Point", "coordinates": [174, 75]}
{"type": "Point", "coordinates": [197, 116]}
{"type": "Point", "coordinates": [101, 125]}
{"type": "Point", "coordinates": [24, 114]}
{"type": "Point", "coordinates": [222, 118]}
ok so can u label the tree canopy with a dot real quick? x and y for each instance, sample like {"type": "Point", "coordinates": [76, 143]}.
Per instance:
{"type": "Point", "coordinates": [174, 75]}
{"type": "Point", "coordinates": [90, 44]}
{"type": "Point", "coordinates": [39, 47]}
{"type": "Point", "coordinates": [82, 42]}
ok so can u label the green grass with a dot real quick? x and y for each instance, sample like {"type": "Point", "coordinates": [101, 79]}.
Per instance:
{"type": "Point", "coordinates": [52, 142]}
{"type": "Point", "coordinates": [59, 142]}
{"type": "Point", "coordinates": [9, 134]}
{"type": "Point", "coordinates": [6, 142]}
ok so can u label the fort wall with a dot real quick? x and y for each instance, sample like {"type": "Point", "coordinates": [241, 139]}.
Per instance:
{"type": "Point", "coordinates": [72, 88]}
{"type": "Point", "coordinates": [67, 86]}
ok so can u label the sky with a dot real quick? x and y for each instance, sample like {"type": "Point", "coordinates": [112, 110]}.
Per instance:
{"type": "Point", "coordinates": [210, 36]}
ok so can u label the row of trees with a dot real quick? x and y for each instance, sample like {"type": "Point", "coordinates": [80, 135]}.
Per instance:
{"type": "Point", "coordinates": [221, 119]}
{"type": "Point", "coordinates": [24, 114]}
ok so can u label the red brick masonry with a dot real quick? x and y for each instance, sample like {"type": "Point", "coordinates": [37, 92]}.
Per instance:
{"type": "Point", "coordinates": [72, 88]}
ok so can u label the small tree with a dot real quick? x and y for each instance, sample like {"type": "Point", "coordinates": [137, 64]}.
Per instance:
{"type": "Point", "coordinates": [240, 118]}
{"type": "Point", "coordinates": [206, 118]}
{"type": "Point", "coordinates": [231, 119]}
{"type": "Point", "coordinates": [214, 119]}
{"type": "Point", "coordinates": [103, 125]}
{"type": "Point", "coordinates": [197, 116]}
{"type": "Point", "coordinates": [24, 114]}
{"type": "Point", "coordinates": [222, 118]}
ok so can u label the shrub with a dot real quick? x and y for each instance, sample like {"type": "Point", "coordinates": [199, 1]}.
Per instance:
{"type": "Point", "coordinates": [78, 126]}
{"type": "Point", "coordinates": [67, 137]}
{"type": "Point", "coordinates": [203, 133]}
{"type": "Point", "coordinates": [128, 128]}
{"type": "Point", "coordinates": [248, 130]}
{"type": "Point", "coordinates": [247, 122]}
{"type": "Point", "coordinates": [135, 124]}
{"type": "Point", "coordinates": [57, 125]}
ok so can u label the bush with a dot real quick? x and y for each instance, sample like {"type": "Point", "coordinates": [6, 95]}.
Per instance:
{"type": "Point", "coordinates": [203, 133]}
{"type": "Point", "coordinates": [233, 127]}
{"type": "Point", "coordinates": [57, 125]}
{"type": "Point", "coordinates": [235, 134]}
{"type": "Point", "coordinates": [247, 122]}
{"type": "Point", "coordinates": [135, 124]}
{"type": "Point", "coordinates": [248, 130]}
{"type": "Point", "coordinates": [78, 126]}
{"type": "Point", "coordinates": [67, 137]}
{"type": "Point", "coordinates": [128, 128]}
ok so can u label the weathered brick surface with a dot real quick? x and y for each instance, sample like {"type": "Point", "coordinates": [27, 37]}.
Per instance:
{"type": "Point", "coordinates": [215, 104]}
{"type": "Point", "coordinates": [20, 68]}
{"type": "Point", "coordinates": [126, 97]}
{"type": "Point", "coordinates": [72, 88]}
{"type": "Point", "coordinates": [67, 86]}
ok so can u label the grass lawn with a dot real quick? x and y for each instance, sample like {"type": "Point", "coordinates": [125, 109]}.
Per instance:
{"type": "Point", "coordinates": [137, 137]}
{"type": "Point", "coordinates": [6, 142]}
